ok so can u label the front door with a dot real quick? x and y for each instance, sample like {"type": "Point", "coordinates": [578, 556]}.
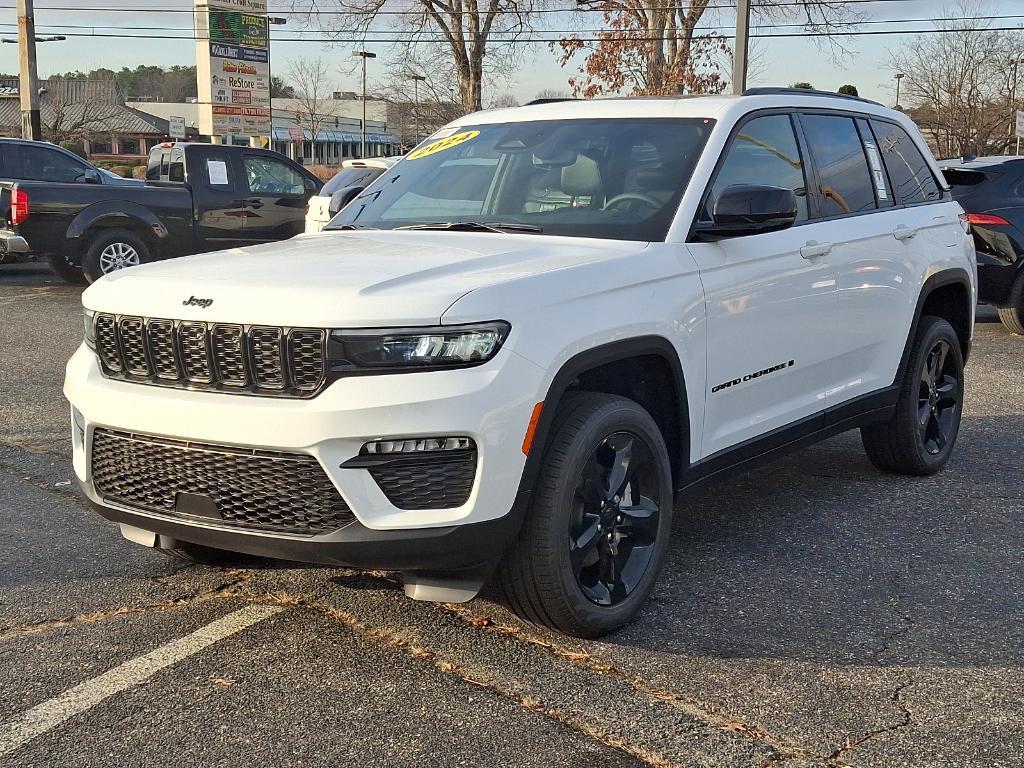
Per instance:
{"type": "Point", "coordinates": [274, 196]}
{"type": "Point", "coordinates": [770, 301]}
{"type": "Point", "coordinates": [217, 189]}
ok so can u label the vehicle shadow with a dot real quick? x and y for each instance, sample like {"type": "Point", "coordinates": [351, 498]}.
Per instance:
{"type": "Point", "coordinates": [820, 557]}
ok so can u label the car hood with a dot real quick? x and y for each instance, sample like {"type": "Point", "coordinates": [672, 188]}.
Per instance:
{"type": "Point", "coordinates": [338, 279]}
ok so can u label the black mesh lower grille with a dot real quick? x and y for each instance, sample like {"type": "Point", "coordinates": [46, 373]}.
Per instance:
{"type": "Point", "coordinates": [442, 481]}
{"type": "Point", "coordinates": [280, 492]}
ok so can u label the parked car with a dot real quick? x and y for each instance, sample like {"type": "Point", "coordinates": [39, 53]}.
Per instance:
{"type": "Point", "coordinates": [22, 160]}
{"type": "Point", "coordinates": [991, 190]}
{"type": "Point", "coordinates": [525, 351]}
{"type": "Point", "coordinates": [196, 198]}
{"type": "Point", "coordinates": [354, 176]}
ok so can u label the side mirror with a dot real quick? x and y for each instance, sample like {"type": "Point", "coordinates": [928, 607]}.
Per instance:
{"type": "Point", "coordinates": [90, 176]}
{"type": "Point", "coordinates": [310, 186]}
{"type": "Point", "coordinates": [750, 209]}
{"type": "Point", "coordinates": [343, 197]}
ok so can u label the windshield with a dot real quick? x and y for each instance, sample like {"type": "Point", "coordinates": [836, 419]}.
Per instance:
{"type": "Point", "coordinates": [618, 178]}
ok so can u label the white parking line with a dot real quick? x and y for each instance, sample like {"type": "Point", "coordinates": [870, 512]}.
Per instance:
{"type": "Point", "coordinates": [84, 696]}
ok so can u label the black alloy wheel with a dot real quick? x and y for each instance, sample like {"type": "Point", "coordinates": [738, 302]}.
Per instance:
{"type": "Point", "coordinates": [614, 525]}
{"type": "Point", "coordinates": [939, 398]}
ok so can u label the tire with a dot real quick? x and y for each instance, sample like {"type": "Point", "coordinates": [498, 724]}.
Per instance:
{"type": "Point", "coordinates": [579, 592]}
{"type": "Point", "coordinates": [111, 250]}
{"type": "Point", "coordinates": [66, 271]}
{"type": "Point", "coordinates": [1012, 316]}
{"type": "Point", "coordinates": [919, 438]}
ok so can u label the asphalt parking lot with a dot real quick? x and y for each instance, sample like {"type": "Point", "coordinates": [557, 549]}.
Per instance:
{"type": "Point", "coordinates": [812, 613]}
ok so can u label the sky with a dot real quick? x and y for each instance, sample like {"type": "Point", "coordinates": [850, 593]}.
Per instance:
{"type": "Point", "coordinates": [780, 61]}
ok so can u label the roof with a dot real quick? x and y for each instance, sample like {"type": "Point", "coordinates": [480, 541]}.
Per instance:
{"type": "Point", "coordinates": [96, 115]}
{"type": "Point", "coordinates": [724, 108]}
{"type": "Point", "coordinates": [980, 162]}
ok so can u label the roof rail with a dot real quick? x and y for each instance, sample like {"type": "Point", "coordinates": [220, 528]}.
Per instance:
{"type": "Point", "coordinates": [550, 101]}
{"type": "Point", "coordinates": [806, 92]}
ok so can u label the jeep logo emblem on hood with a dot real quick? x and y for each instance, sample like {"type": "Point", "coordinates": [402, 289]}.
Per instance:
{"type": "Point", "coordinates": [192, 301]}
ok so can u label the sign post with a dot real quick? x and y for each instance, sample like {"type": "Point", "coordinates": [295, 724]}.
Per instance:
{"type": "Point", "coordinates": [233, 68]}
{"type": "Point", "coordinates": [1020, 129]}
{"type": "Point", "coordinates": [176, 128]}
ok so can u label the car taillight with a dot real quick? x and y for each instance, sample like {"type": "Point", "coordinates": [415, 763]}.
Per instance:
{"type": "Point", "coordinates": [986, 218]}
{"type": "Point", "coordinates": [19, 206]}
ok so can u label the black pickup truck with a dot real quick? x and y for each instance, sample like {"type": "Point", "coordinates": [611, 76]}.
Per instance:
{"type": "Point", "coordinates": [197, 198]}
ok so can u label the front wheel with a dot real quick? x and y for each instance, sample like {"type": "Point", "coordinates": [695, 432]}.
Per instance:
{"type": "Point", "coordinates": [599, 524]}
{"type": "Point", "coordinates": [919, 438]}
{"type": "Point", "coordinates": [112, 250]}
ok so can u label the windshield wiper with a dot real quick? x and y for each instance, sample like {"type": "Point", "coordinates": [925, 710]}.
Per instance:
{"type": "Point", "coordinates": [476, 226]}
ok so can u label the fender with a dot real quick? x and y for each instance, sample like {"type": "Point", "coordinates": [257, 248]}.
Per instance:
{"type": "Point", "coordinates": [594, 358]}
{"type": "Point", "coordinates": [936, 281]}
{"type": "Point", "coordinates": [116, 213]}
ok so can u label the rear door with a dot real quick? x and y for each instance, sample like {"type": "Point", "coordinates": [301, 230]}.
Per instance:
{"type": "Point", "coordinates": [274, 196]}
{"type": "Point", "coordinates": [218, 187]}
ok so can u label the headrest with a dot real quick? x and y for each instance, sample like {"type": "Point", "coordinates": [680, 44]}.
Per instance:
{"type": "Point", "coordinates": [652, 178]}
{"type": "Point", "coordinates": [582, 178]}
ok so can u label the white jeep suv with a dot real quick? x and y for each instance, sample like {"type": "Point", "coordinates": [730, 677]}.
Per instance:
{"type": "Point", "coordinates": [517, 353]}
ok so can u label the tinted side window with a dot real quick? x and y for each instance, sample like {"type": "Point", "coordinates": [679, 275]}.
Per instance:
{"type": "Point", "coordinates": [42, 164]}
{"type": "Point", "coordinates": [272, 177]}
{"type": "Point", "coordinates": [351, 177]}
{"type": "Point", "coordinates": [153, 167]}
{"type": "Point", "coordinates": [218, 172]}
{"type": "Point", "coordinates": [764, 152]}
{"type": "Point", "coordinates": [911, 177]}
{"type": "Point", "coordinates": [176, 169]}
{"type": "Point", "coordinates": [846, 183]}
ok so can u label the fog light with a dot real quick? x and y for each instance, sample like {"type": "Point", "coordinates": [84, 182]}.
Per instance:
{"type": "Point", "coordinates": [417, 445]}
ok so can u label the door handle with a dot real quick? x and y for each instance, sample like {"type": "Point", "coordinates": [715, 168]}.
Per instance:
{"type": "Point", "coordinates": [903, 232]}
{"type": "Point", "coordinates": [814, 249]}
{"type": "Point", "coordinates": [252, 202]}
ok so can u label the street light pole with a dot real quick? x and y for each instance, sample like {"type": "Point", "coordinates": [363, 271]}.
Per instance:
{"type": "Point", "coordinates": [899, 77]}
{"type": "Point", "coordinates": [739, 58]}
{"type": "Point", "coordinates": [31, 126]}
{"type": "Point", "coordinates": [416, 79]}
{"type": "Point", "coordinates": [364, 55]}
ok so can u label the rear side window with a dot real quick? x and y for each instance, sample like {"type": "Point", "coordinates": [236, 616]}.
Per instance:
{"type": "Point", "coordinates": [153, 167]}
{"type": "Point", "coordinates": [845, 181]}
{"type": "Point", "coordinates": [176, 169]}
{"type": "Point", "coordinates": [351, 177]}
{"type": "Point", "coordinates": [764, 152]}
{"type": "Point", "coordinates": [912, 179]}
{"type": "Point", "coordinates": [39, 163]}
{"type": "Point", "coordinates": [218, 172]}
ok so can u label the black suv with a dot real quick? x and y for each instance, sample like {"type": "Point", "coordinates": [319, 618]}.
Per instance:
{"type": "Point", "coordinates": [991, 190]}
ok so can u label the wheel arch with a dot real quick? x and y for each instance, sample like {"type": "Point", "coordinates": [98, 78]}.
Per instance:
{"type": "Point", "coordinates": [946, 294]}
{"type": "Point", "coordinates": [119, 214]}
{"type": "Point", "coordinates": [645, 369]}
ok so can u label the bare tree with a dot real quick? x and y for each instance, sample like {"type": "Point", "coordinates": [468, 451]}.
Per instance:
{"type": "Point", "coordinates": [503, 101]}
{"type": "Point", "coordinates": [964, 86]}
{"type": "Point", "coordinates": [313, 88]}
{"type": "Point", "coordinates": [551, 93]}
{"type": "Point", "coordinates": [658, 47]}
{"type": "Point", "coordinates": [477, 37]}
{"type": "Point", "coordinates": [416, 108]}
{"type": "Point", "coordinates": [69, 120]}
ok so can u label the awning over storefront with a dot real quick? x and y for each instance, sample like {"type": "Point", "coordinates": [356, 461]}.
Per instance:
{"type": "Point", "coordinates": [335, 137]}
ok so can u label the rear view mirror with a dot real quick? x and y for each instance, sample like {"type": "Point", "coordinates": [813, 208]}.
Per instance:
{"type": "Point", "coordinates": [343, 197]}
{"type": "Point", "coordinates": [750, 209]}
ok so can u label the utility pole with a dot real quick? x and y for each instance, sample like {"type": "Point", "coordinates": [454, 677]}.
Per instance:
{"type": "Point", "coordinates": [31, 126]}
{"type": "Point", "coordinates": [364, 55]}
{"type": "Point", "coordinates": [899, 78]}
{"type": "Point", "coordinates": [416, 79]}
{"type": "Point", "coordinates": [739, 57]}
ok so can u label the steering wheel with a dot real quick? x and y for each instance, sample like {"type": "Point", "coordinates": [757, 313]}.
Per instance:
{"type": "Point", "coordinates": [627, 197]}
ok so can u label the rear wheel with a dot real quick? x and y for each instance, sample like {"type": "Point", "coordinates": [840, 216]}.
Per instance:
{"type": "Point", "coordinates": [1012, 316]}
{"type": "Point", "coordinates": [65, 270]}
{"type": "Point", "coordinates": [919, 438]}
{"type": "Point", "coordinates": [597, 530]}
{"type": "Point", "coordinates": [112, 250]}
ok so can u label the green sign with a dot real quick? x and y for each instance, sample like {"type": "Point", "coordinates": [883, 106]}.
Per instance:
{"type": "Point", "coordinates": [240, 28]}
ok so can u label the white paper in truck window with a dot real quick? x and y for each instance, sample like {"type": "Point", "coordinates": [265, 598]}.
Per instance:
{"type": "Point", "coordinates": [218, 171]}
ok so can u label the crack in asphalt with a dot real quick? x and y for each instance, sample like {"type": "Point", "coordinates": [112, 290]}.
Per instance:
{"type": "Point", "coordinates": [37, 627]}
{"type": "Point", "coordinates": [905, 719]}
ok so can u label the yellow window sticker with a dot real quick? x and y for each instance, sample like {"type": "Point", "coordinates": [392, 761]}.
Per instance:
{"type": "Point", "coordinates": [442, 144]}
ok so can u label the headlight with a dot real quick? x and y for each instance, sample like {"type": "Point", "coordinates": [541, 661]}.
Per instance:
{"type": "Point", "coordinates": [89, 319]}
{"type": "Point", "coordinates": [408, 349]}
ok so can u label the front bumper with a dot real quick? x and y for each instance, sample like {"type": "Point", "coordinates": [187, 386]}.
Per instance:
{"type": "Point", "coordinates": [491, 404]}
{"type": "Point", "coordinates": [12, 243]}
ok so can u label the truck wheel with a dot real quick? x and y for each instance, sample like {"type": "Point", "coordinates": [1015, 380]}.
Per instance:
{"type": "Point", "coordinates": [65, 270]}
{"type": "Point", "coordinates": [919, 438]}
{"type": "Point", "coordinates": [111, 250]}
{"type": "Point", "coordinates": [596, 532]}
{"type": "Point", "coordinates": [1012, 316]}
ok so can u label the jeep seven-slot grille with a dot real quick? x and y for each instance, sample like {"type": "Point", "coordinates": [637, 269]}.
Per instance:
{"type": "Point", "coordinates": [262, 360]}
{"type": "Point", "coordinates": [265, 490]}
